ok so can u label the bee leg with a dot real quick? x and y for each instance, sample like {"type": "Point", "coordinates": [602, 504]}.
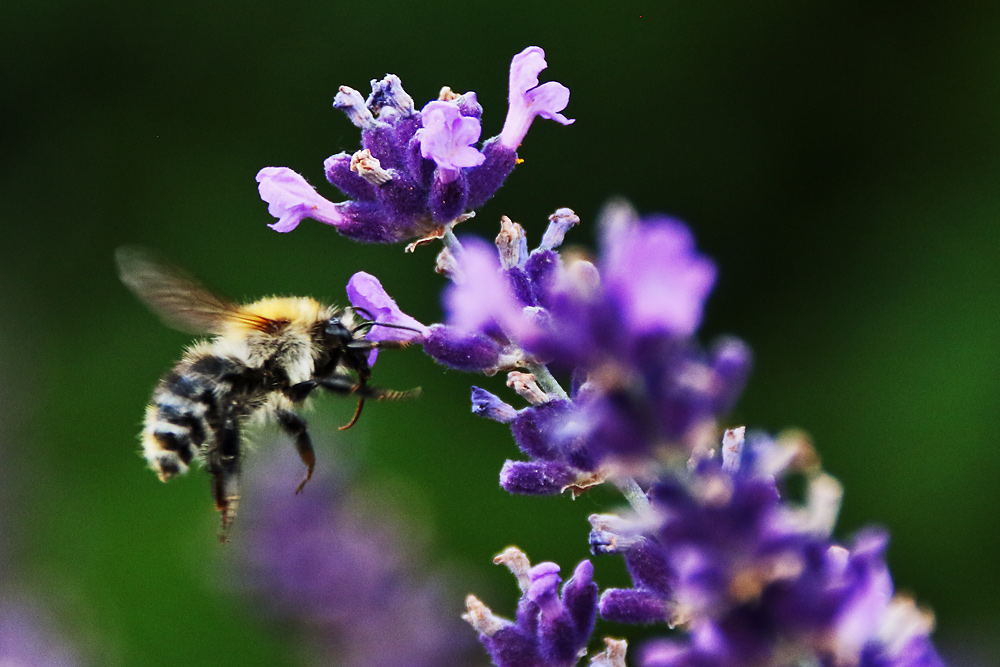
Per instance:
{"type": "Point", "coordinates": [354, 419]}
{"type": "Point", "coordinates": [295, 426]}
{"type": "Point", "coordinates": [378, 344]}
{"type": "Point", "coordinates": [223, 463]}
{"type": "Point", "coordinates": [362, 381]}
{"type": "Point", "coordinates": [300, 391]}
{"type": "Point", "coordinates": [342, 384]}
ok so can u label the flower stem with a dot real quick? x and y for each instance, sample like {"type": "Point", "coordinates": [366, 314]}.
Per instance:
{"type": "Point", "coordinates": [633, 493]}
{"type": "Point", "coordinates": [546, 380]}
{"type": "Point", "coordinates": [451, 241]}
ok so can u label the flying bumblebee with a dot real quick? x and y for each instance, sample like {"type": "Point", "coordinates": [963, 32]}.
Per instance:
{"type": "Point", "coordinates": [262, 360]}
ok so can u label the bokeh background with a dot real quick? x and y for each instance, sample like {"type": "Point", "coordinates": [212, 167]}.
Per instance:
{"type": "Point", "coordinates": [839, 161]}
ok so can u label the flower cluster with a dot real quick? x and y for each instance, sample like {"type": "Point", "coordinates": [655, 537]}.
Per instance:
{"type": "Point", "coordinates": [716, 545]}
{"type": "Point", "coordinates": [551, 628]}
{"type": "Point", "coordinates": [621, 328]}
{"type": "Point", "coordinates": [27, 638]}
{"type": "Point", "coordinates": [754, 578]}
{"type": "Point", "coordinates": [343, 573]}
{"type": "Point", "coordinates": [417, 171]}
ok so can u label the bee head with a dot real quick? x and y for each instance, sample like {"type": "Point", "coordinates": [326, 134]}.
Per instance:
{"type": "Point", "coordinates": [335, 330]}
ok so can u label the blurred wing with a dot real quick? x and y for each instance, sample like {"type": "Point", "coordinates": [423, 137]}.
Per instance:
{"type": "Point", "coordinates": [175, 295]}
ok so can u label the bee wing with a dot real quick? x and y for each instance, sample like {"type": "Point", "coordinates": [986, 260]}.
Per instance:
{"type": "Point", "coordinates": [172, 293]}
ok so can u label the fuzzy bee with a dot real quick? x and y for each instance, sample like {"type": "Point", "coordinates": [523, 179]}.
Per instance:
{"type": "Point", "coordinates": [262, 360]}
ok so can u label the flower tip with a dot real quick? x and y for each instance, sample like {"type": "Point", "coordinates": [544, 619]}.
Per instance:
{"type": "Point", "coordinates": [584, 571]}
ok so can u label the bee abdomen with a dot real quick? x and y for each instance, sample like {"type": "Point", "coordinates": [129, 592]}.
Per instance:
{"type": "Point", "coordinates": [175, 425]}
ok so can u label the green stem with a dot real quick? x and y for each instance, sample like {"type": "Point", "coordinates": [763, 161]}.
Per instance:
{"type": "Point", "coordinates": [451, 242]}
{"type": "Point", "coordinates": [633, 493]}
{"type": "Point", "coordinates": [545, 380]}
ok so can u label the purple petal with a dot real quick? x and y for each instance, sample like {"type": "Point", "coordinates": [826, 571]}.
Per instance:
{"type": "Point", "coordinates": [291, 199]}
{"type": "Point", "coordinates": [545, 582]}
{"type": "Point", "coordinates": [657, 275]}
{"type": "Point", "coordinates": [366, 292]}
{"type": "Point", "coordinates": [447, 137]}
{"type": "Point", "coordinates": [482, 296]}
{"type": "Point", "coordinates": [527, 99]}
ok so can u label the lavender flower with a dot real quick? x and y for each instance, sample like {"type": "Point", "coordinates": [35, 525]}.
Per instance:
{"type": "Point", "coordinates": [27, 638]}
{"type": "Point", "coordinates": [342, 574]}
{"type": "Point", "coordinates": [623, 327]}
{"type": "Point", "coordinates": [417, 172]}
{"type": "Point", "coordinates": [29, 633]}
{"type": "Point", "coordinates": [528, 99]}
{"type": "Point", "coordinates": [715, 548]}
{"type": "Point", "coordinates": [753, 578]}
{"type": "Point", "coordinates": [551, 628]}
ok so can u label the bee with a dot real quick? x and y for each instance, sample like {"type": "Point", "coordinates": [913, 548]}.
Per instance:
{"type": "Point", "coordinates": [262, 360]}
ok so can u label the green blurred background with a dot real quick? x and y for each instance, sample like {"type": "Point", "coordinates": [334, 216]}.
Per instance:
{"type": "Point", "coordinates": [839, 161]}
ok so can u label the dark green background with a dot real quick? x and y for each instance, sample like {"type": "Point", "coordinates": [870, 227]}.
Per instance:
{"type": "Point", "coordinates": [840, 161]}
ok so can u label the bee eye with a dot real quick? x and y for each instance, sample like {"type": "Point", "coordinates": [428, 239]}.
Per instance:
{"type": "Point", "coordinates": [336, 329]}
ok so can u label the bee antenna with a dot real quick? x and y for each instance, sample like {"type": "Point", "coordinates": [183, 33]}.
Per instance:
{"type": "Point", "coordinates": [369, 325]}
{"type": "Point", "coordinates": [363, 311]}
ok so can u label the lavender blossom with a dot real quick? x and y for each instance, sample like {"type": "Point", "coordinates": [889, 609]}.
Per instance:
{"type": "Point", "coordinates": [624, 326]}
{"type": "Point", "coordinates": [30, 635]}
{"type": "Point", "coordinates": [551, 628]}
{"type": "Point", "coordinates": [753, 578]}
{"type": "Point", "coordinates": [715, 548]}
{"type": "Point", "coordinates": [528, 99]}
{"type": "Point", "coordinates": [27, 638]}
{"type": "Point", "coordinates": [416, 172]}
{"type": "Point", "coordinates": [344, 575]}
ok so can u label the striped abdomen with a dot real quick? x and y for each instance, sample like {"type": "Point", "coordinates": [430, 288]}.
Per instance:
{"type": "Point", "coordinates": [202, 400]}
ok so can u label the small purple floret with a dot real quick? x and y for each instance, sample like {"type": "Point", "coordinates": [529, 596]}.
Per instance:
{"type": "Point", "coordinates": [370, 299]}
{"type": "Point", "coordinates": [490, 406]}
{"type": "Point", "coordinates": [658, 277]}
{"type": "Point", "coordinates": [366, 294]}
{"type": "Point", "coordinates": [291, 199]}
{"type": "Point", "coordinates": [527, 99]}
{"type": "Point", "coordinates": [447, 137]}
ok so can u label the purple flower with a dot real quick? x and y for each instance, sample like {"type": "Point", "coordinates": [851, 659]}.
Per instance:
{"type": "Point", "coordinates": [552, 627]}
{"type": "Point", "coordinates": [27, 638]}
{"type": "Point", "coordinates": [456, 347]}
{"type": "Point", "coordinates": [623, 326]}
{"type": "Point", "coordinates": [659, 280]}
{"type": "Point", "coordinates": [416, 172]}
{"type": "Point", "coordinates": [528, 99]}
{"type": "Point", "coordinates": [480, 298]}
{"type": "Point", "coordinates": [447, 137]}
{"type": "Point", "coordinates": [368, 297]}
{"type": "Point", "coordinates": [291, 199]}
{"type": "Point", "coordinates": [754, 578]}
{"type": "Point", "coordinates": [343, 572]}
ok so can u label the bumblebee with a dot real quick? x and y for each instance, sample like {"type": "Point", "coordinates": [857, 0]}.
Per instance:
{"type": "Point", "coordinates": [261, 362]}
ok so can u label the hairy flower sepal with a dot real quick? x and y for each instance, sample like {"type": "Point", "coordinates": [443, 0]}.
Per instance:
{"type": "Point", "coordinates": [552, 626]}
